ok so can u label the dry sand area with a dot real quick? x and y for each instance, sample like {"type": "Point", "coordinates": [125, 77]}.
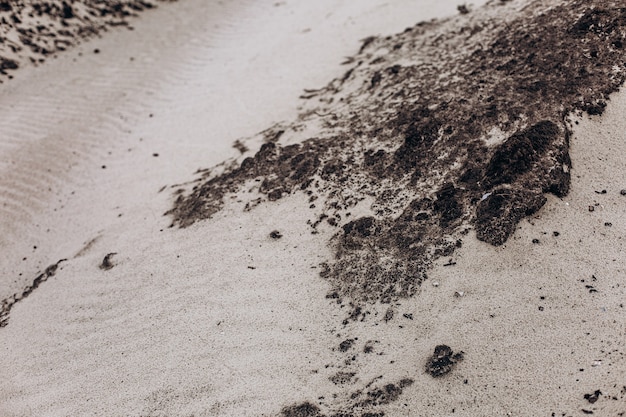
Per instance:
{"type": "Point", "coordinates": [313, 209]}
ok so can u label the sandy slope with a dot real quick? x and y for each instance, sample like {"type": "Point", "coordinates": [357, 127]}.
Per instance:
{"type": "Point", "coordinates": [206, 86]}
{"type": "Point", "coordinates": [221, 319]}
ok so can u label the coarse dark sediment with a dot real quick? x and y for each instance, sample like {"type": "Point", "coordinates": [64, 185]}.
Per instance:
{"type": "Point", "coordinates": [450, 125]}
{"type": "Point", "coordinates": [33, 31]}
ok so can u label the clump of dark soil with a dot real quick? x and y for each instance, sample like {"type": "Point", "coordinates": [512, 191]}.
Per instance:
{"type": "Point", "coordinates": [517, 155]}
{"type": "Point", "coordinates": [7, 64]}
{"type": "Point", "coordinates": [107, 262]}
{"type": "Point", "coordinates": [346, 345]}
{"type": "Point", "coordinates": [361, 403]}
{"type": "Point", "coordinates": [301, 410]}
{"type": "Point", "coordinates": [7, 304]}
{"type": "Point", "coordinates": [442, 361]}
{"type": "Point", "coordinates": [593, 397]}
{"type": "Point", "coordinates": [32, 31]}
{"type": "Point", "coordinates": [450, 125]}
{"type": "Point", "coordinates": [498, 214]}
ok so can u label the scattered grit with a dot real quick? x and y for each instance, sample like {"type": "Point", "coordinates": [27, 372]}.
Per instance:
{"type": "Point", "coordinates": [450, 125]}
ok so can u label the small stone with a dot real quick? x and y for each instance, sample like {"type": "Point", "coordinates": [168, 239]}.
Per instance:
{"type": "Point", "coordinates": [591, 208]}
{"type": "Point", "coordinates": [459, 294]}
{"type": "Point", "coordinates": [592, 398]}
{"type": "Point", "coordinates": [442, 361]}
{"type": "Point", "coordinates": [435, 284]}
{"type": "Point", "coordinates": [623, 192]}
{"type": "Point", "coordinates": [106, 262]}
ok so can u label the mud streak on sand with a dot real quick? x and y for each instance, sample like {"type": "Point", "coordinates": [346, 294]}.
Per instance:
{"type": "Point", "coordinates": [7, 304]}
{"type": "Point", "coordinates": [450, 125]}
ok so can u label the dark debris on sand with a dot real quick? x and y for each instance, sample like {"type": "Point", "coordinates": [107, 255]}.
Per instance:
{"type": "Point", "coordinates": [107, 261]}
{"type": "Point", "coordinates": [450, 125]}
{"type": "Point", "coordinates": [362, 403]}
{"type": "Point", "coordinates": [442, 361]}
{"type": "Point", "coordinates": [36, 30]}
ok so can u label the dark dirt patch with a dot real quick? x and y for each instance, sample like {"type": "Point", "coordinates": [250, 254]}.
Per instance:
{"type": "Point", "coordinates": [107, 262]}
{"type": "Point", "coordinates": [517, 155]}
{"type": "Point", "coordinates": [593, 397]}
{"type": "Point", "coordinates": [275, 234]}
{"type": "Point", "coordinates": [301, 410]}
{"type": "Point", "coordinates": [362, 403]}
{"type": "Point", "coordinates": [7, 64]}
{"type": "Point", "coordinates": [442, 361]}
{"type": "Point", "coordinates": [450, 125]}
{"type": "Point", "coordinates": [341, 378]}
{"type": "Point", "coordinates": [240, 146]}
{"type": "Point", "coordinates": [8, 303]}
{"type": "Point", "coordinates": [498, 214]}
{"type": "Point", "coordinates": [346, 345]}
{"type": "Point", "coordinates": [386, 394]}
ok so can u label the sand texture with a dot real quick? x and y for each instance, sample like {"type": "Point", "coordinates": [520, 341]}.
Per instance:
{"type": "Point", "coordinates": [32, 32]}
{"type": "Point", "coordinates": [320, 209]}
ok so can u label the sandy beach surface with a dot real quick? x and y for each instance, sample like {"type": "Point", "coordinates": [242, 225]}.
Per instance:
{"type": "Point", "coordinates": [262, 208]}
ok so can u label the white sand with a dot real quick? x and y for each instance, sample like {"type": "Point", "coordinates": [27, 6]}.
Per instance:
{"type": "Point", "coordinates": [209, 73]}
{"type": "Point", "coordinates": [182, 325]}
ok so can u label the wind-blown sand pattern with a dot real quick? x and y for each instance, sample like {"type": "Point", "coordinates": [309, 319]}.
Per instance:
{"type": "Point", "coordinates": [436, 231]}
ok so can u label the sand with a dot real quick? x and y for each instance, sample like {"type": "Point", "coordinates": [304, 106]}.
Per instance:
{"type": "Point", "coordinates": [219, 318]}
